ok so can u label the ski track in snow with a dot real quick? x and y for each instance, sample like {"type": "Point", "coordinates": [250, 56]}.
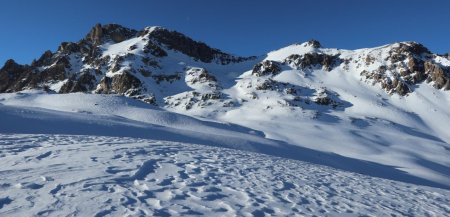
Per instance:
{"type": "Point", "coordinates": [60, 175]}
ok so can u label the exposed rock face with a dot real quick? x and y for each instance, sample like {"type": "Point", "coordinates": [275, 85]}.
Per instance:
{"type": "Point", "coordinates": [116, 33]}
{"type": "Point", "coordinates": [198, 50]}
{"type": "Point", "coordinates": [310, 60]}
{"type": "Point", "coordinates": [206, 91]}
{"type": "Point", "coordinates": [199, 76]}
{"type": "Point", "coordinates": [409, 49]}
{"type": "Point", "coordinates": [44, 60]}
{"type": "Point", "coordinates": [17, 77]}
{"type": "Point", "coordinates": [409, 63]}
{"type": "Point", "coordinates": [438, 74]}
{"type": "Point", "coordinates": [167, 78]}
{"type": "Point", "coordinates": [154, 49]}
{"type": "Point", "coordinates": [127, 85]}
{"type": "Point", "coordinates": [120, 84]}
{"type": "Point", "coordinates": [84, 83]}
{"type": "Point", "coordinates": [69, 47]}
{"type": "Point", "coordinates": [269, 84]}
{"type": "Point", "coordinates": [11, 76]}
{"type": "Point", "coordinates": [313, 43]}
{"type": "Point", "coordinates": [266, 67]}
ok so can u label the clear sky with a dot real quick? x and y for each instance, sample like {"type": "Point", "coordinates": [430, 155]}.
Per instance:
{"type": "Point", "coordinates": [252, 27]}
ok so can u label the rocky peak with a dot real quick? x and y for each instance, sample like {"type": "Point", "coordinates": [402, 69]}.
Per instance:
{"type": "Point", "coordinates": [102, 33]}
{"type": "Point", "coordinates": [312, 43]}
{"type": "Point", "coordinates": [11, 65]}
{"type": "Point", "coordinates": [400, 51]}
{"type": "Point", "coordinates": [407, 64]}
{"type": "Point", "coordinates": [69, 47]}
{"type": "Point", "coordinates": [45, 59]}
{"type": "Point", "coordinates": [198, 50]}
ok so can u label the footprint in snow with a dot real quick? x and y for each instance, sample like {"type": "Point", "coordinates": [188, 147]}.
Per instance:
{"type": "Point", "coordinates": [44, 155]}
{"type": "Point", "coordinates": [4, 201]}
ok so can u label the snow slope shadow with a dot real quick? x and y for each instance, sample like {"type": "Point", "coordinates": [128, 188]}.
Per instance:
{"type": "Point", "coordinates": [42, 121]}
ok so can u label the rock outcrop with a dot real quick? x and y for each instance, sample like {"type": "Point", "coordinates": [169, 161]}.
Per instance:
{"type": "Point", "coordinates": [114, 32]}
{"type": "Point", "coordinates": [266, 67]}
{"type": "Point", "coordinates": [409, 63]}
{"type": "Point", "coordinates": [198, 50]}
{"type": "Point", "coordinates": [311, 60]}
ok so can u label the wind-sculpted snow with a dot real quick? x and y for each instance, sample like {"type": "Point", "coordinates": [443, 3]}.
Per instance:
{"type": "Point", "coordinates": [61, 175]}
{"type": "Point", "coordinates": [97, 115]}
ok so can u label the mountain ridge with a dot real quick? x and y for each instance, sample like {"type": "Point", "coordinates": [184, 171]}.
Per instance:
{"type": "Point", "coordinates": [160, 39]}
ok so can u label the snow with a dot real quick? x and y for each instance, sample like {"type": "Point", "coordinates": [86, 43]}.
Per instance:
{"type": "Point", "coordinates": [131, 158]}
{"type": "Point", "coordinates": [409, 133]}
{"type": "Point", "coordinates": [119, 176]}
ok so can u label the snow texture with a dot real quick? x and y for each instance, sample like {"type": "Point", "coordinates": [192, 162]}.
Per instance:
{"type": "Point", "coordinates": [57, 175]}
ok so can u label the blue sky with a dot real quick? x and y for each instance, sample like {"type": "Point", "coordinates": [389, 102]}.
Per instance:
{"type": "Point", "coordinates": [28, 28]}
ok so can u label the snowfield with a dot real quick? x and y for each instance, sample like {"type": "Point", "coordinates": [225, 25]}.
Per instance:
{"type": "Point", "coordinates": [62, 175]}
{"type": "Point", "coordinates": [105, 155]}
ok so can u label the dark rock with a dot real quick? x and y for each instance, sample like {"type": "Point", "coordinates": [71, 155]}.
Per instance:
{"type": "Point", "coordinates": [402, 89]}
{"type": "Point", "coordinates": [167, 78]}
{"type": "Point", "coordinates": [69, 47]}
{"type": "Point", "coordinates": [198, 50]}
{"type": "Point", "coordinates": [268, 84]}
{"type": "Point", "coordinates": [310, 60]}
{"type": "Point", "coordinates": [145, 73]}
{"type": "Point", "coordinates": [154, 49]}
{"type": "Point", "coordinates": [17, 77]}
{"type": "Point", "coordinates": [439, 75]}
{"type": "Point", "coordinates": [85, 82]}
{"type": "Point", "coordinates": [11, 65]}
{"type": "Point", "coordinates": [132, 47]}
{"type": "Point", "coordinates": [45, 59]}
{"type": "Point", "coordinates": [13, 76]}
{"type": "Point", "coordinates": [151, 62]}
{"type": "Point", "coordinates": [150, 99]}
{"type": "Point", "coordinates": [113, 32]}
{"type": "Point", "coordinates": [323, 100]}
{"type": "Point", "coordinates": [415, 65]}
{"type": "Point", "coordinates": [407, 49]}
{"type": "Point", "coordinates": [202, 76]}
{"type": "Point", "coordinates": [266, 67]}
{"type": "Point", "coordinates": [121, 84]}
{"type": "Point", "coordinates": [369, 60]}
{"type": "Point", "coordinates": [211, 96]}
{"type": "Point", "coordinates": [313, 43]}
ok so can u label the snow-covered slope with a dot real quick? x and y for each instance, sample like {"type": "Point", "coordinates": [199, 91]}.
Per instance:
{"type": "Point", "coordinates": [57, 175]}
{"type": "Point", "coordinates": [334, 111]}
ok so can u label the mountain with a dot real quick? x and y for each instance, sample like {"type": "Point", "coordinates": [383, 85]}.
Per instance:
{"type": "Point", "coordinates": [156, 123]}
{"type": "Point", "coordinates": [155, 63]}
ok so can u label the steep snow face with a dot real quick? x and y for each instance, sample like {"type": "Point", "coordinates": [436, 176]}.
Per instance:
{"type": "Point", "coordinates": [119, 176]}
